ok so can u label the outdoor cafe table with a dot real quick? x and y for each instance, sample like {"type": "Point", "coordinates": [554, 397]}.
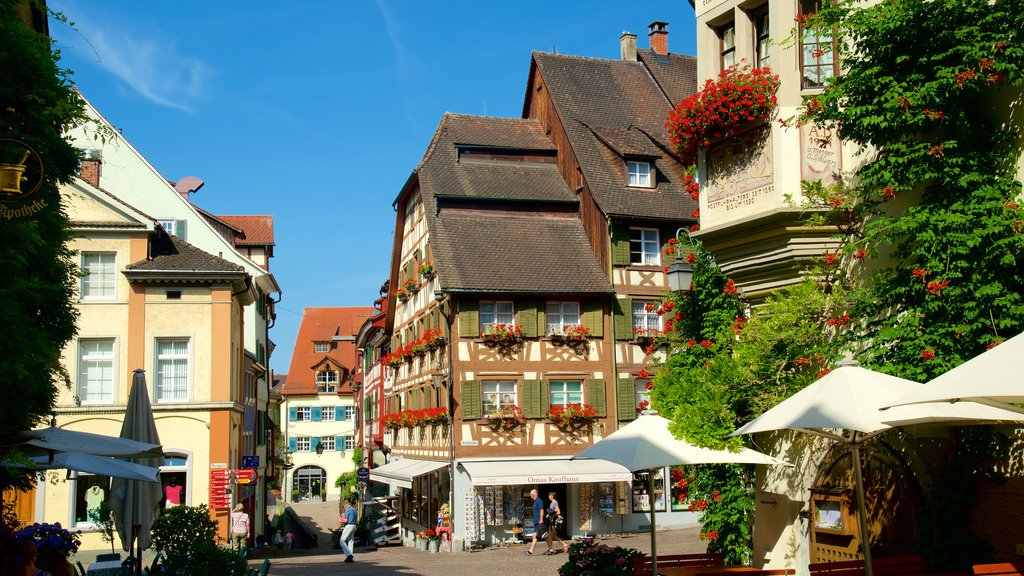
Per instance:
{"type": "Point", "coordinates": [696, 570]}
{"type": "Point", "coordinates": [105, 568]}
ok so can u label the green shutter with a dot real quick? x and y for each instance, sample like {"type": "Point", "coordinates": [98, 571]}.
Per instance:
{"type": "Point", "coordinates": [625, 398]}
{"type": "Point", "coordinates": [470, 399]}
{"type": "Point", "coordinates": [528, 318]}
{"type": "Point", "coordinates": [181, 230]}
{"type": "Point", "coordinates": [595, 396]}
{"type": "Point", "coordinates": [593, 317]}
{"type": "Point", "coordinates": [531, 402]}
{"type": "Point", "coordinates": [670, 258]}
{"type": "Point", "coordinates": [469, 318]}
{"type": "Point", "coordinates": [623, 310]}
{"type": "Point", "coordinates": [620, 245]}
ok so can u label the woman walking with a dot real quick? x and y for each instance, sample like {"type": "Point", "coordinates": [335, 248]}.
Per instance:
{"type": "Point", "coordinates": [554, 520]}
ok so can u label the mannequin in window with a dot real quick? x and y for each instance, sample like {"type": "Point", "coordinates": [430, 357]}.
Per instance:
{"type": "Point", "coordinates": [94, 496]}
{"type": "Point", "coordinates": [172, 493]}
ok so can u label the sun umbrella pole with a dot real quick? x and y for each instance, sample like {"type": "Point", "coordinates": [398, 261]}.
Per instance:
{"type": "Point", "coordinates": [865, 537]}
{"type": "Point", "coordinates": [652, 501]}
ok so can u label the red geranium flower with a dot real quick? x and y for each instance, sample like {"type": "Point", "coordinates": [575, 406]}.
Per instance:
{"type": "Point", "coordinates": [927, 354]}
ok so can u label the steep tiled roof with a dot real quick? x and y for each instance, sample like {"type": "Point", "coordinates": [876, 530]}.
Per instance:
{"type": "Point", "coordinates": [595, 96]}
{"type": "Point", "coordinates": [675, 73]}
{"type": "Point", "coordinates": [323, 325]}
{"type": "Point", "coordinates": [526, 134]}
{"type": "Point", "coordinates": [257, 230]}
{"type": "Point", "coordinates": [514, 252]}
{"type": "Point", "coordinates": [172, 254]}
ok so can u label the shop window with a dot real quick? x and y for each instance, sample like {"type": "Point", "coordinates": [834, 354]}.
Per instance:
{"type": "Point", "coordinates": [91, 490]}
{"type": "Point", "coordinates": [642, 497]}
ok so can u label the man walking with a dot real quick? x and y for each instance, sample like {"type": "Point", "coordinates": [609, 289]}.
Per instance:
{"type": "Point", "coordinates": [348, 532]}
{"type": "Point", "coordinates": [538, 520]}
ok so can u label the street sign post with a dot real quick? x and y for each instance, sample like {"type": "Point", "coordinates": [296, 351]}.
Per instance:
{"type": "Point", "coordinates": [220, 498]}
{"type": "Point", "coordinates": [250, 461]}
{"type": "Point", "coordinates": [245, 475]}
{"type": "Point", "coordinates": [363, 474]}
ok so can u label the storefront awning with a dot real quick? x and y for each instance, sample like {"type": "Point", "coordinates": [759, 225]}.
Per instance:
{"type": "Point", "coordinates": [401, 472]}
{"type": "Point", "coordinates": [566, 471]}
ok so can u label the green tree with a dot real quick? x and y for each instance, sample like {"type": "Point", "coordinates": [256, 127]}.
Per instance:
{"type": "Point", "coordinates": [36, 104]}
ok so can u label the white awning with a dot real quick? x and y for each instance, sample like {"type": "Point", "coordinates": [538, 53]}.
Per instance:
{"type": "Point", "coordinates": [545, 472]}
{"type": "Point", "coordinates": [401, 472]}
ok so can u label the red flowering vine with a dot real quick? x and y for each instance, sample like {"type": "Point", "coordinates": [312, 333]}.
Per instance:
{"type": "Point", "coordinates": [927, 354]}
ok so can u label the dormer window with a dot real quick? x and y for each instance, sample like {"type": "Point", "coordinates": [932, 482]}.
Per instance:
{"type": "Point", "coordinates": [321, 347]}
{"type": "Point", "coordinates": [326, 381]}
{"type": "Point", "coordinates": [639, 174]}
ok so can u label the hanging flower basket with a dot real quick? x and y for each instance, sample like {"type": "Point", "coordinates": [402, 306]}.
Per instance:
{"type": "Point", "coordinates": [571, 414]}
{"type": "Point", "coordinates": [427, 271]}
{"type": "Point", "coordinates": [570, 333]}
{"type": "Point", "coordinates": [411, 286]}
{"type": "Point", "coordinates": [402, 294]}
{"type": "Point", "coordinates": [434, 339]}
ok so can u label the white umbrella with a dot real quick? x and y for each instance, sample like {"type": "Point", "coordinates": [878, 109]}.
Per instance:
{"type": "Point", "coordinates": [846, 406]}
{"type": "Point", "coordinates": [62, 440]}
{"type": "Point", "coordinates": [104, 465]}
{"type": "Point", "coordinates": [134, 503]}
{"type": "Point", "coordinates": [647, 444]}
{"type": "Point", "coordinates": [993, 377]}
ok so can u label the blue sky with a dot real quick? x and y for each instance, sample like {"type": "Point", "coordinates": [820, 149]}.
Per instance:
{"type": "Point", "coordinates": [317, 113]}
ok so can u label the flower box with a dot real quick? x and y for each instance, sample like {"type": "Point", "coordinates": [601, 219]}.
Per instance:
{"type": "Point", "coordinates": [501, 333]}
{"type": "Point", "coordinates": [402, 294]}
{"type": "Point", "coordinates": [411, 286]}
{"type": "Point", "coordinates": [570, 333]}
{"type": "Point", "coordinates": [571, 414]}
{"type": "Point", "coordinates": [505, 418]}
{"type": "Point", "coordinates": [427, 271]}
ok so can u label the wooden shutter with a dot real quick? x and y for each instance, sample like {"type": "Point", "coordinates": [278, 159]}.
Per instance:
{"type": "Point", "coordinates": [625, 398]}
{"type": "Point", "coordinates": [623, 310]}
{"type": "Point", "coordinates": [593, 317]}
{"type": "Point", "coordinates": [293, 444]}
{"type": "Point", "coordinates": [339, 443]}
{"type": "Point", "coordinates": [470, 399]}
{"type": "Point", "coordinates": [620, 245]}
{"type": "Point", "coordinates": [313, 443]}
{"type": "Point", "coordinates": [469, 318]}
{"type": "Point", "coordinates": [595, 396]}
{"type": "Point", "coordinates": [528, 318]}
{"type": "Point", "coordinates": [293, 414]}
{"type": "Point", "coordinates": [317, 413]}
{"type": "Point", "coordinates": [181, 230]}
{"type": "Point", "coordinates": [534, 398]}
{"type": "Point", "coordinates": [670, 258]}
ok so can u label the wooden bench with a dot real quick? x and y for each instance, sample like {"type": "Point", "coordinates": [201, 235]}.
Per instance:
{"type": "Point", "coordinates": [891, 566]}
{"type": "Point", "coordinates": [1003, 569]}
{"type": "Point", "coordinates": [642, 565]}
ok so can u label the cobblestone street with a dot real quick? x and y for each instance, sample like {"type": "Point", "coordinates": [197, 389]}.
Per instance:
{"type": "Point", "coordinates": [506, 559]}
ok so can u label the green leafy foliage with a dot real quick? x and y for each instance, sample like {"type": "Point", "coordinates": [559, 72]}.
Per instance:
{"type": "Point", "coordinates": [181, 529]}
{"type": "Point", "coordinates": [36, 103]}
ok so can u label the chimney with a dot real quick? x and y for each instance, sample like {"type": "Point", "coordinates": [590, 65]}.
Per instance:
{"type": "Point", "coordinates": [627, 46]}
{"type": "Point", "coordinates": [659, 36]}
{"type": "Point", "coordinates": [90, 167]}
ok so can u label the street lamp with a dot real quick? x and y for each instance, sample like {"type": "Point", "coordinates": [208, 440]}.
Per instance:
{"type": "Point", "coordinates": [680, 274]}
{"type": "Point", "coordinates": [319, 448]}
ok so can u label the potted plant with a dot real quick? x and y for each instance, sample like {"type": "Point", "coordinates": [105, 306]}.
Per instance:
{"type": "Point", "coordinates": [421, 541]}
{"type": "Point", "coordinates": [418, 348]}
{"type": "Point", "coordinates": [427, 271]}
{"type": "Point", "coordinates": [411, 286]}
{"type": "Point", "coordinates": [501, 334]}
{"type": "Point", "coordinates": [434, 540]}
{"type": "Point", "coordinates": [402, 294]}
{"type": "Point", "coordinates": [506, 418]}
{"type": "Point", "coordinates": [434, 339]}
{"type": "Point", "coordinates": [570, 333]}
{"type": "Point", "coordinates": [571, 414]}
{"type": "Point", "coordinates": [393, 360]}
{"type": "Point", "coordinates": [392, 421]}
{"type": "Point", "coordinates": [435, 416]}
{"type": "Point", "coordinates": [51, 540]}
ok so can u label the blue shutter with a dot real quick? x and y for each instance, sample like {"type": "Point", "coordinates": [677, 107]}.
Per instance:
{"type": "Point", "coordinates": [293, 414]}
{"type": "Point", "coordinates": [339, 413]}
{"type": "Point", "coordinates": [293, 445]}
{"type": "Point", "coordinates": [313, 443]}
{"type": "Point", "coordinates": [318, 413]}
{"type": "Point", "coordinates": [339, 443]}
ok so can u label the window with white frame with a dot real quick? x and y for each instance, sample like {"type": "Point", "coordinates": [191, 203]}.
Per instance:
{"type": "Point", "coordinates": [565, 392]}
{"type": "Point", "coordinates": [98, 275]}
{"type": "Point", "coordinates": [328, 443]}
{"type": "Point", "coordinates": [350, 442]}
{"type": "Point", "coordinates": [498, 394]}
{"type": "Point", "coordinates": [348, 413]}
{"type": "Point", "coordinates": [303, 414]}
{"type": "Point", "coordinates": [645, 317]}
{"type": "Point", "coordinates": [643, 394]}
{"type": "Point", "coordinates": [644, 247]}
{"type": "Point", "coordinates": [302, 444]}
{"type": "Point", "coordinates": [172, 359]}
{"type": "Point", "coordinates": [639, 173]}
{"type": "Point", "coordinates": [167, 225]}
{"type": "Point", "coordinates": [327, 414]}
{"type": "Point", "coordinates": [326, 381]}
{"type": "Point", "coordinates": [96, 370]}
{"type": "Point", "coordinates": [727, 45]}
{"type": "Point", "coordinates": [761, 38]}
{"type": "Point", "coordinates": [558, 315]}
{"type": "Point", "coordinates": [496, 313]}
{"type": "Point", "coordinates": [321, 347]}
{"type": "Point", "coordinates": [817, 51]}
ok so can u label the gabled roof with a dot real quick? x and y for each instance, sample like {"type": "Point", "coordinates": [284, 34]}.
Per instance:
{"type": "Point", "coordinates": [614, 107]}
{"type": "Point", "coordinates": [91, 207]}
{"type": "Point", "coordinates": [676, 74]}
{"type": "Point", "coordinates": [256, 230]}
{"type": "Point", "coordinates": [503, 226]}
{"type": "Point", "coordinates": [171, 254]}
{"type": "Point", "coordinates": [328, 324]}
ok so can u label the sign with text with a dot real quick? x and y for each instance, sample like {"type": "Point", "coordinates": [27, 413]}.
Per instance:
{"type": "Point", "coordinates": [363, 474]}
{"type": "Point", "coordinates": [821, 158]}
{"type": "Point", "coordinates": [220, 498]}
{"type": "Point", "coordinates": [246, 475]}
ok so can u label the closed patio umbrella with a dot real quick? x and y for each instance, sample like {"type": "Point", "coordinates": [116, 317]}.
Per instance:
{"type": "Point", "coordinates": [845, 406]}
{"type": "Point", "coordinates": [647, 444]}
{"type": "Point", "coordinates": [134, 502]}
